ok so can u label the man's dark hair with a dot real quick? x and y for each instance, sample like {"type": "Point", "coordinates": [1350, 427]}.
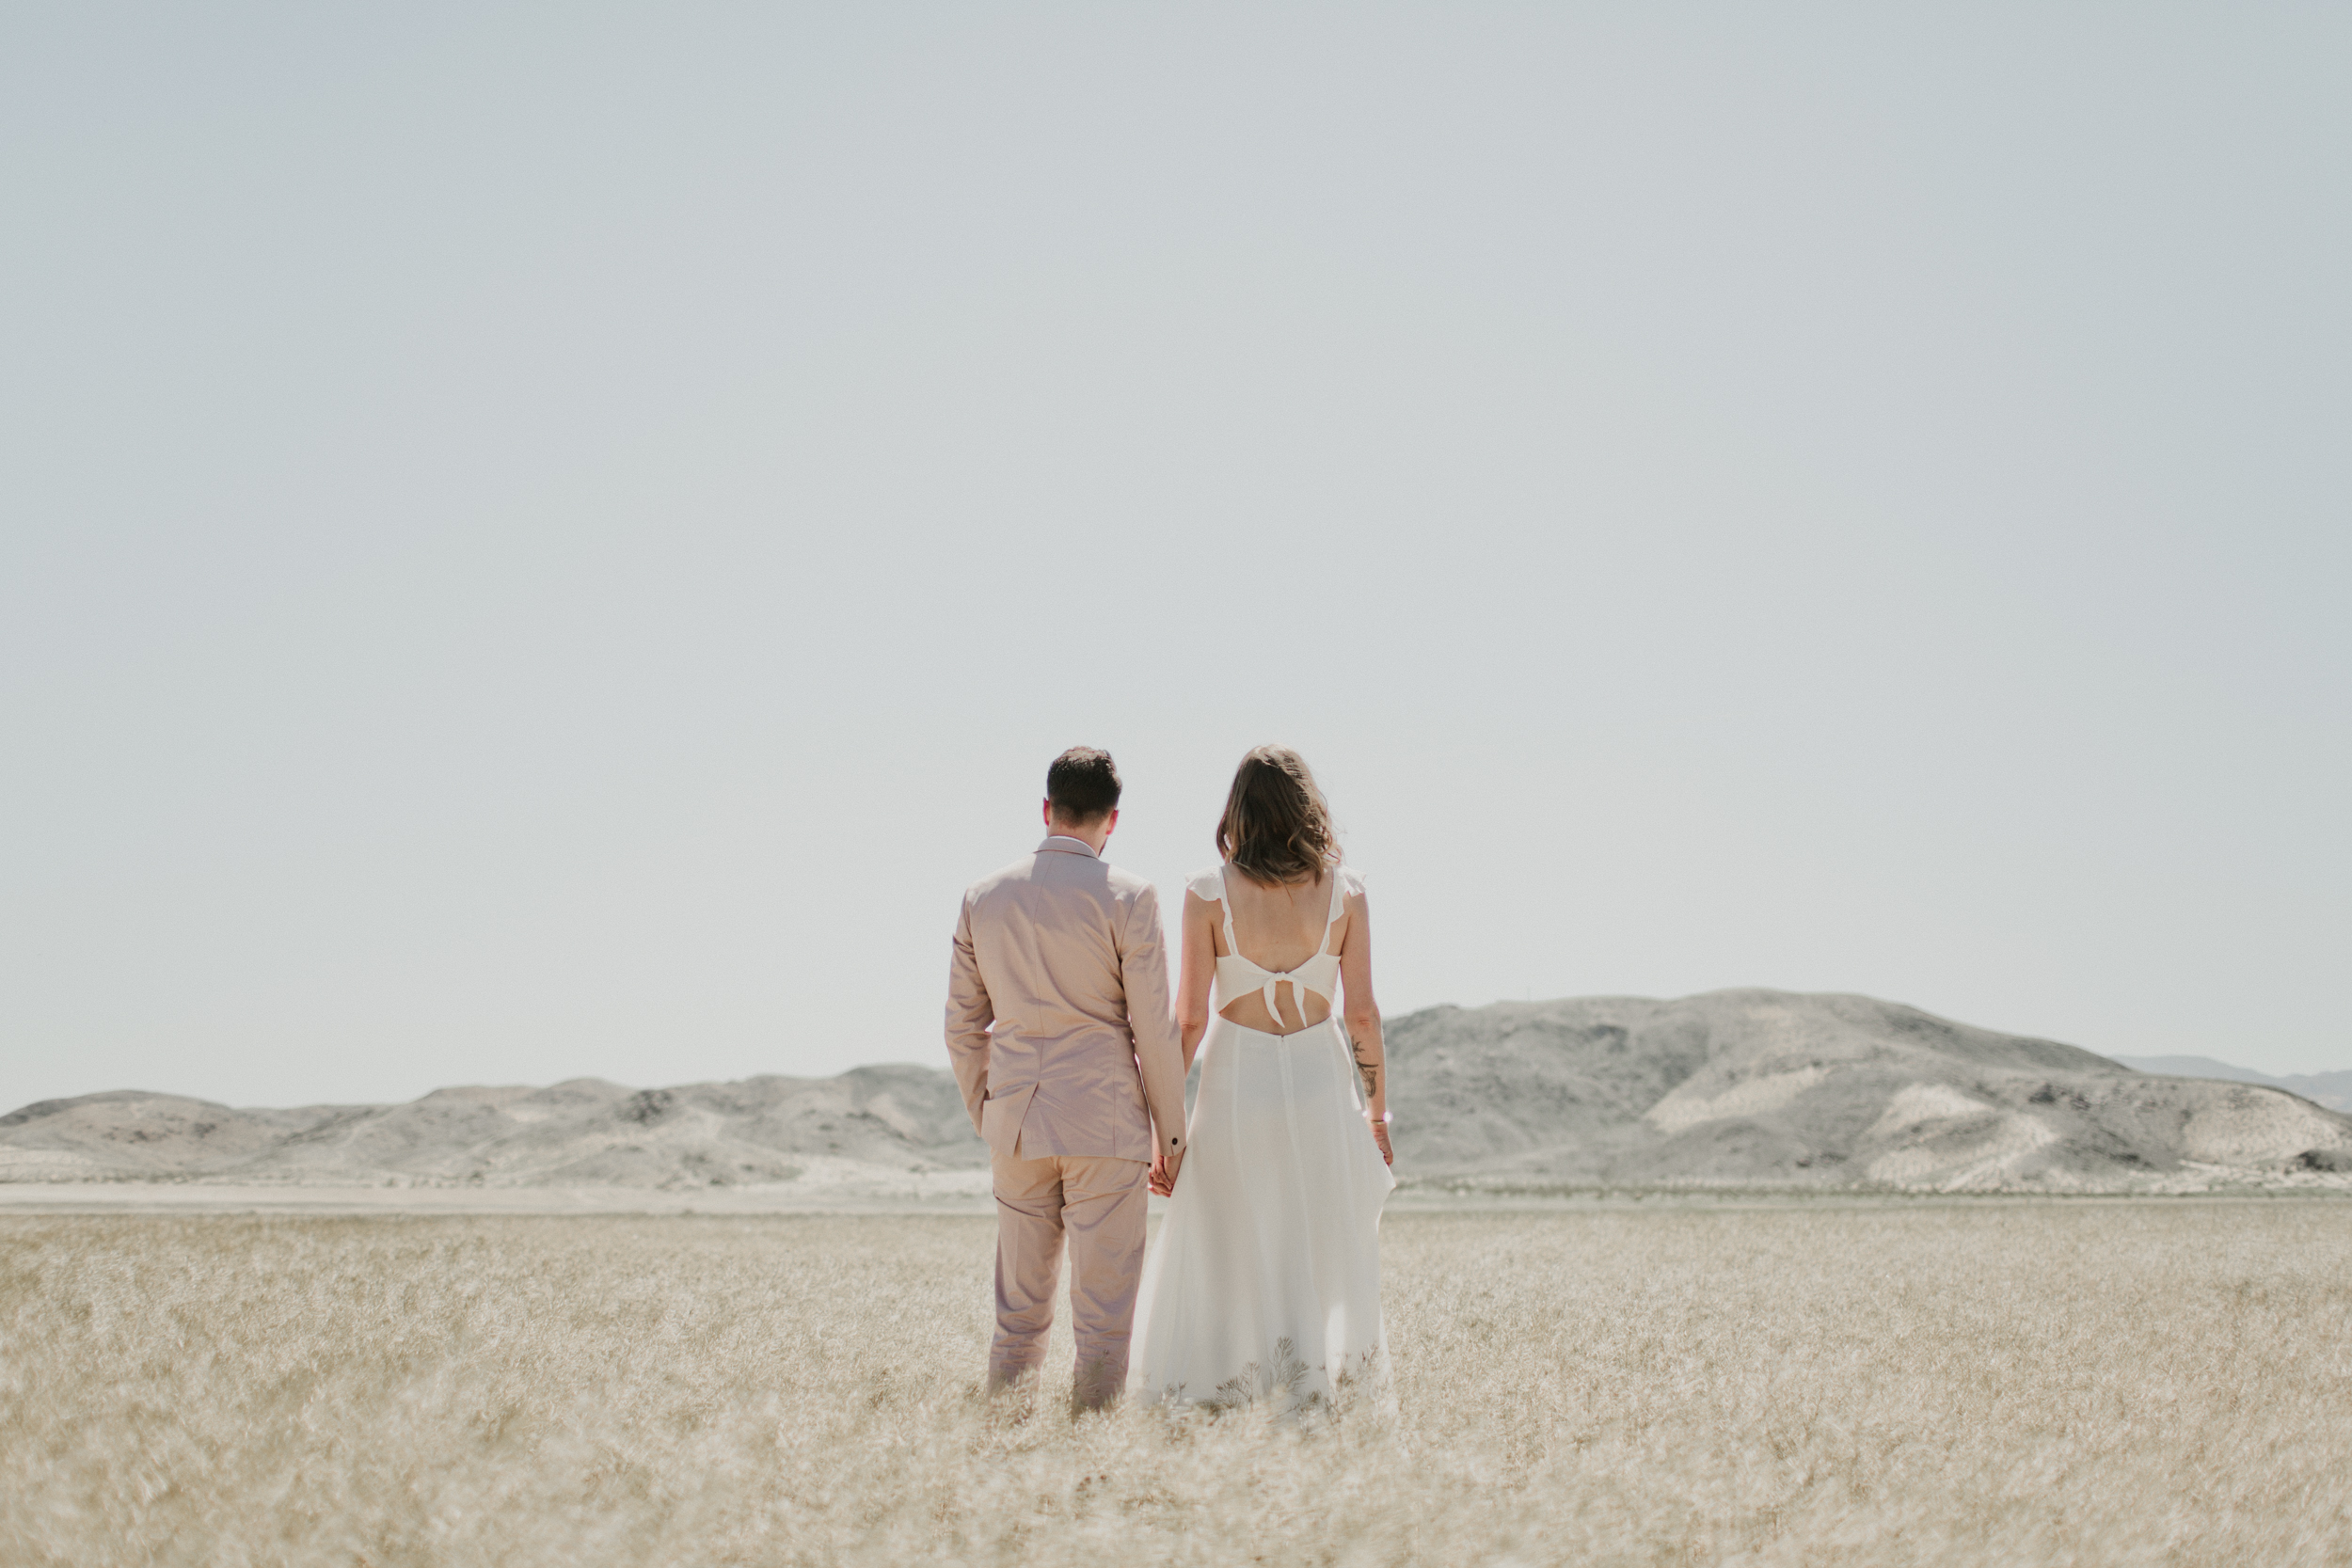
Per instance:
{"type": "Point", "coordinates": [1083, 785]}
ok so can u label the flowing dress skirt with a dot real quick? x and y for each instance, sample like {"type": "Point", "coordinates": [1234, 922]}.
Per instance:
{"type": "Point", "coordinates": [1265, 1280]}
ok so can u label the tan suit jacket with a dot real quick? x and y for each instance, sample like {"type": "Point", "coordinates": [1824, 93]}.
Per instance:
{"type": "Point", "coordinates": [1063, 955]}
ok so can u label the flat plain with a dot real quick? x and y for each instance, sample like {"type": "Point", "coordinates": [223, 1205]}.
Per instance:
{"type": "Point", "coordinates": [1889, 1382]}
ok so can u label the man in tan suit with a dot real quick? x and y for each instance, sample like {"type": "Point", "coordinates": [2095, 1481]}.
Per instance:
{"type": "Point", "coordinates": [1063, 1039]}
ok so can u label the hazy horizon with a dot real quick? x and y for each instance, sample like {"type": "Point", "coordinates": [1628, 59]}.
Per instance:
{"type": "Point", "coordinates": [552, 543]}
{"type": "Point", "coordinates": [2174, 1066]}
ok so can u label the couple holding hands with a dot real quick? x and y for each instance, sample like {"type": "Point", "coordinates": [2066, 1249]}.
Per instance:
{"type": "Point", "coordinates": [1265, 1280]}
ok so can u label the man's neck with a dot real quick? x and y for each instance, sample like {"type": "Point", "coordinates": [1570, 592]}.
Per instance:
{"type": "Point", "coordinates": [1092, 837]}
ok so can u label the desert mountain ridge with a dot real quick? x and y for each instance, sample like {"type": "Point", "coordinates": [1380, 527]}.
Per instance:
{"type": "Point", "coordinates": [1770, 1088]}
{"type": "Point", "coordinates": [2332, 1089]}
{"type": "Point", "coordinates": [1727, 1090]}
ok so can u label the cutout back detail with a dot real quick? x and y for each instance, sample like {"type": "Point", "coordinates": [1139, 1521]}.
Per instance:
{"type": "Point", "coordinates": [1237, 976]}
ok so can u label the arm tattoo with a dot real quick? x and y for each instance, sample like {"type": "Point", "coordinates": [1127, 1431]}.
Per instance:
{"type": "Point", "coordinates": [1371, 1071]}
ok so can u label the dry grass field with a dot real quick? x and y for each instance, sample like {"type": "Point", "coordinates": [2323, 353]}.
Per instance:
{"type": "Point", "coordinates": [2012, 1382]}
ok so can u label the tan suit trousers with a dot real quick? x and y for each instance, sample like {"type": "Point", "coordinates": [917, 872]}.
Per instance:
{"type": "Point", "coordinates": [1097, 1202]}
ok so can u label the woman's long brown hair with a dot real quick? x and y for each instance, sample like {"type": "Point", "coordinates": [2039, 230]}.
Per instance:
{"type": "Point", "coordinates": [1276, 828]}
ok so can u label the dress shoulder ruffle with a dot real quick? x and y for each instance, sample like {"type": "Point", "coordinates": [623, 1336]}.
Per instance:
{"type": "Point", "coordinates": [1210, 884]}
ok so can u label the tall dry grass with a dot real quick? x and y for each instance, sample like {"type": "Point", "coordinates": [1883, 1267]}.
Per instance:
{"type": "Point", "coordinates": [2004, 1381]}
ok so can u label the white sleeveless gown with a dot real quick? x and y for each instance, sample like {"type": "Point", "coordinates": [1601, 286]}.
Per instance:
{"type": "Point", "coordinates": [1265, 1280]}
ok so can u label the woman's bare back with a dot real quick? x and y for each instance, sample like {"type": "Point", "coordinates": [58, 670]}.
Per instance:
{"type": "Point", "coordinates": [1280, 927]}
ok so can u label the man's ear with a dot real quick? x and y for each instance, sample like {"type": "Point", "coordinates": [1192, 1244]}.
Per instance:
{"type": "Point", "coordinates": [1049, 812]}
{"type": "Point", "coordinates": [1109, 827]}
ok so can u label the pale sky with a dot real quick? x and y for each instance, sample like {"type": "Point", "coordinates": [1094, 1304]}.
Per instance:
{"type": "Point", "coordinates": [553, 541]}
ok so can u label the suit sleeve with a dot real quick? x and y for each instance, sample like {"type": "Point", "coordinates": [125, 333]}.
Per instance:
{"type": "Point", "coordinates": [969, 1014]}
{"type": "Point", "coordinates": [1151, 1018]}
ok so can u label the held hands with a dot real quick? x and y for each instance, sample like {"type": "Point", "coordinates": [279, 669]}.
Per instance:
{"type": "Point", "coordinates": [1163, 1169]}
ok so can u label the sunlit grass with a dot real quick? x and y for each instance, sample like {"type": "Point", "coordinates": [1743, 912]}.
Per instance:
{"type": "Point", "coordinates": [2007, 1380]}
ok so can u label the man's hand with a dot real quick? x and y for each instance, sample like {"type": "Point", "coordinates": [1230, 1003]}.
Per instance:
{"type": "Point", "coordinates": [1163, 1169]}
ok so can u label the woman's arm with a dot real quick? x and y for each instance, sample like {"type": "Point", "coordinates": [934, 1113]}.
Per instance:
{"type": "Point", "coordinates": [1363, 1019]}
{"type": "Point", "coordinates": [1198, 968]}
{"type": "Point", "coordinates": [1195, 973]}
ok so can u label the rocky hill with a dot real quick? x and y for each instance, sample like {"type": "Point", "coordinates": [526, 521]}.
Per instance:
{"type": "Point", "coordinates": [871, 1121]}
{"type": "Point", "coordinates": [1747, 1087]}
{"type": "Point", "coordinates": [1741, 1088]}
{"type": "Point", "coordinates": [2332, 1089]}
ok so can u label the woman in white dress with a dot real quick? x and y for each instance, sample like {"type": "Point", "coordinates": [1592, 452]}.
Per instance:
{"type": "Point", "coordinates": [1265, 1280]}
